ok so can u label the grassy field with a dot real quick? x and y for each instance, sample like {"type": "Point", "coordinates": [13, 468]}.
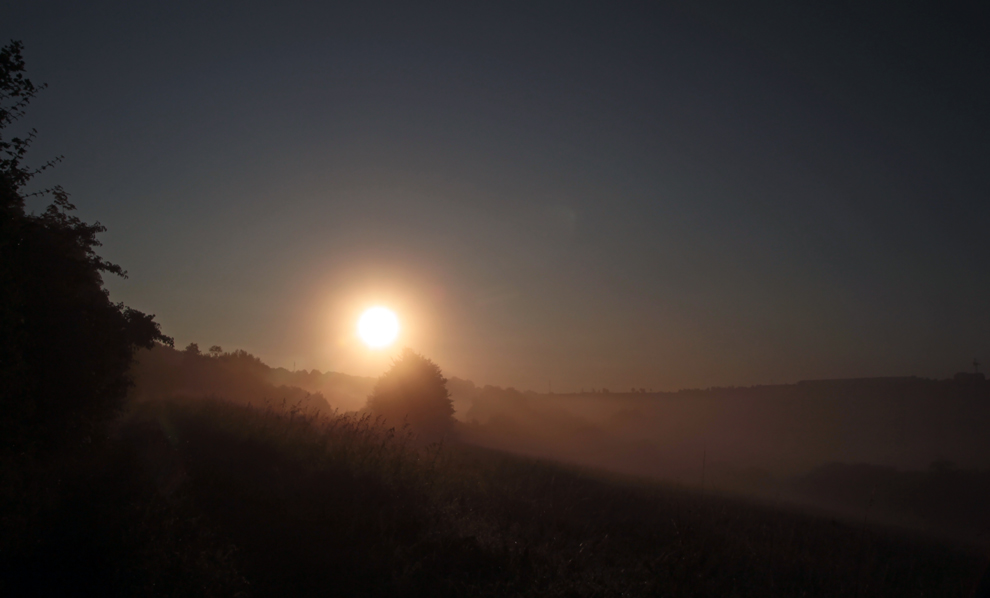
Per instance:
{"type": "Point", "coordinates": [202, 497]}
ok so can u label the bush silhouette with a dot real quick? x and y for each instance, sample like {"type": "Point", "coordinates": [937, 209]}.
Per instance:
{"type": "Point", "coordinates": [65, 348]}
{"type": "Point", "coordinates": [414, 391]}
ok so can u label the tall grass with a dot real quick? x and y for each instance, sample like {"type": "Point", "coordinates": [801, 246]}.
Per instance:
{"type": "Point", "coordinates": [221, 499]}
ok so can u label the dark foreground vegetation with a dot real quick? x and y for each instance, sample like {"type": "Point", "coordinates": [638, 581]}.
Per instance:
{"type": "Point", "coordinates": [205, 498]}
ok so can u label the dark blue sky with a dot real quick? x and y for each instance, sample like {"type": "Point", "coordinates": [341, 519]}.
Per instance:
{"type": "Point", "coordinates": [701, 194]}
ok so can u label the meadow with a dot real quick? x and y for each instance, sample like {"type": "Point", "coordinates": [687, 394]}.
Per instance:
{"type": "Point", "coordinates": [202, 497]}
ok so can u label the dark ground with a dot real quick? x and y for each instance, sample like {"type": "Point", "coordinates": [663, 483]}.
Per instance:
{"type": "Point", "coordinates": [205, 498]}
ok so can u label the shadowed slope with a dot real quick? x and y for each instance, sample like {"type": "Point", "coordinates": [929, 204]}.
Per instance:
{"type": "Point", "coordinates": [210, 498]}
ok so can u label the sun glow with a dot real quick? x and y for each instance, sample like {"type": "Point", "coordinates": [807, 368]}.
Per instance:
{"type": "Point", "coordinates": [378, 327]}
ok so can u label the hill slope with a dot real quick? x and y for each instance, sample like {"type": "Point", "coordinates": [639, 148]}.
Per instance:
{"type": "Point", "coordinates": [201, 497]}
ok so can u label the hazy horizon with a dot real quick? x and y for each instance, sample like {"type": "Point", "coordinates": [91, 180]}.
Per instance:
{"type": "Point", "coordinates": [562, 387]}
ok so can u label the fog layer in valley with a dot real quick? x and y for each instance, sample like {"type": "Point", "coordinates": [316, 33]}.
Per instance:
{"type": "Point", "coordinates": [782, 429]}
{"type": "Point", "coordinates": [905, 450]}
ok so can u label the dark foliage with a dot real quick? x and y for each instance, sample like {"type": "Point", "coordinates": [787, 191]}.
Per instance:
{"type": "Point", "coordinates": [237, 376]}
{"type": "Point", "coordinates": [117, 521]}
{"type": "Point", "coordinates": [202, 497]}
{"type": "Point", "coordinates": [65, 347]}
{"type": "Point", "coordinates": [414, 392]}
{"type": "Point", "coordinates": [941, 499]}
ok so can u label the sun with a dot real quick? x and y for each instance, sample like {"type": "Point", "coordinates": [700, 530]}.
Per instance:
{"type": "Point", "coordinates": [378, 326]}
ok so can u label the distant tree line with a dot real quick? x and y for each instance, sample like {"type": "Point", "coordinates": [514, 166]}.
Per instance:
{"type": "Point", "coordinates": [412, 394]}
{"type": "Point", "coordinates": [235, 376]}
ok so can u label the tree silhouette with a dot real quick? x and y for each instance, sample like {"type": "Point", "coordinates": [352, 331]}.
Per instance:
{"type": "Point", "coordinates": [65, 348]}
{"type": "Point", "coordinates": [414, 391]}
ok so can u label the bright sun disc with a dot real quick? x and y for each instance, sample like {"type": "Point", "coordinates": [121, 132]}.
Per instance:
{"type": "Point", "coordinates": [378, 327]}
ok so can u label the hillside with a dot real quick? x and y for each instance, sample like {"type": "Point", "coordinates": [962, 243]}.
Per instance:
{"type": "Point", "coordinates": [781, 430]}
{"type": "Point", "coordinates": [825, 444]}
{"type": "Point", "coordinates": [203, 497]}
{"type": "Point", "coordinates": [785, 429]}
{"type": "Point", "coordinates": [243, 378]}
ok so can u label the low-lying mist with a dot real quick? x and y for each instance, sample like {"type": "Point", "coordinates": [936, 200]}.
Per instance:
{"type": "Point", "coordinates": [902, 450]}
{"type": "Point", "coordinates": [783, 429]}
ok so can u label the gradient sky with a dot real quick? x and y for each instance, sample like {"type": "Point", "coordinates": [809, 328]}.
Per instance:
{"type": "Point", "coordinates": [597, 195]}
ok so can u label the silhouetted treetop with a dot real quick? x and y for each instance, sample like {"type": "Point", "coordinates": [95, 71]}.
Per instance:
{"type": "Point", "coordinates": [414, 391]}
{"type": "Point", "coordinates": [65, 348]}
